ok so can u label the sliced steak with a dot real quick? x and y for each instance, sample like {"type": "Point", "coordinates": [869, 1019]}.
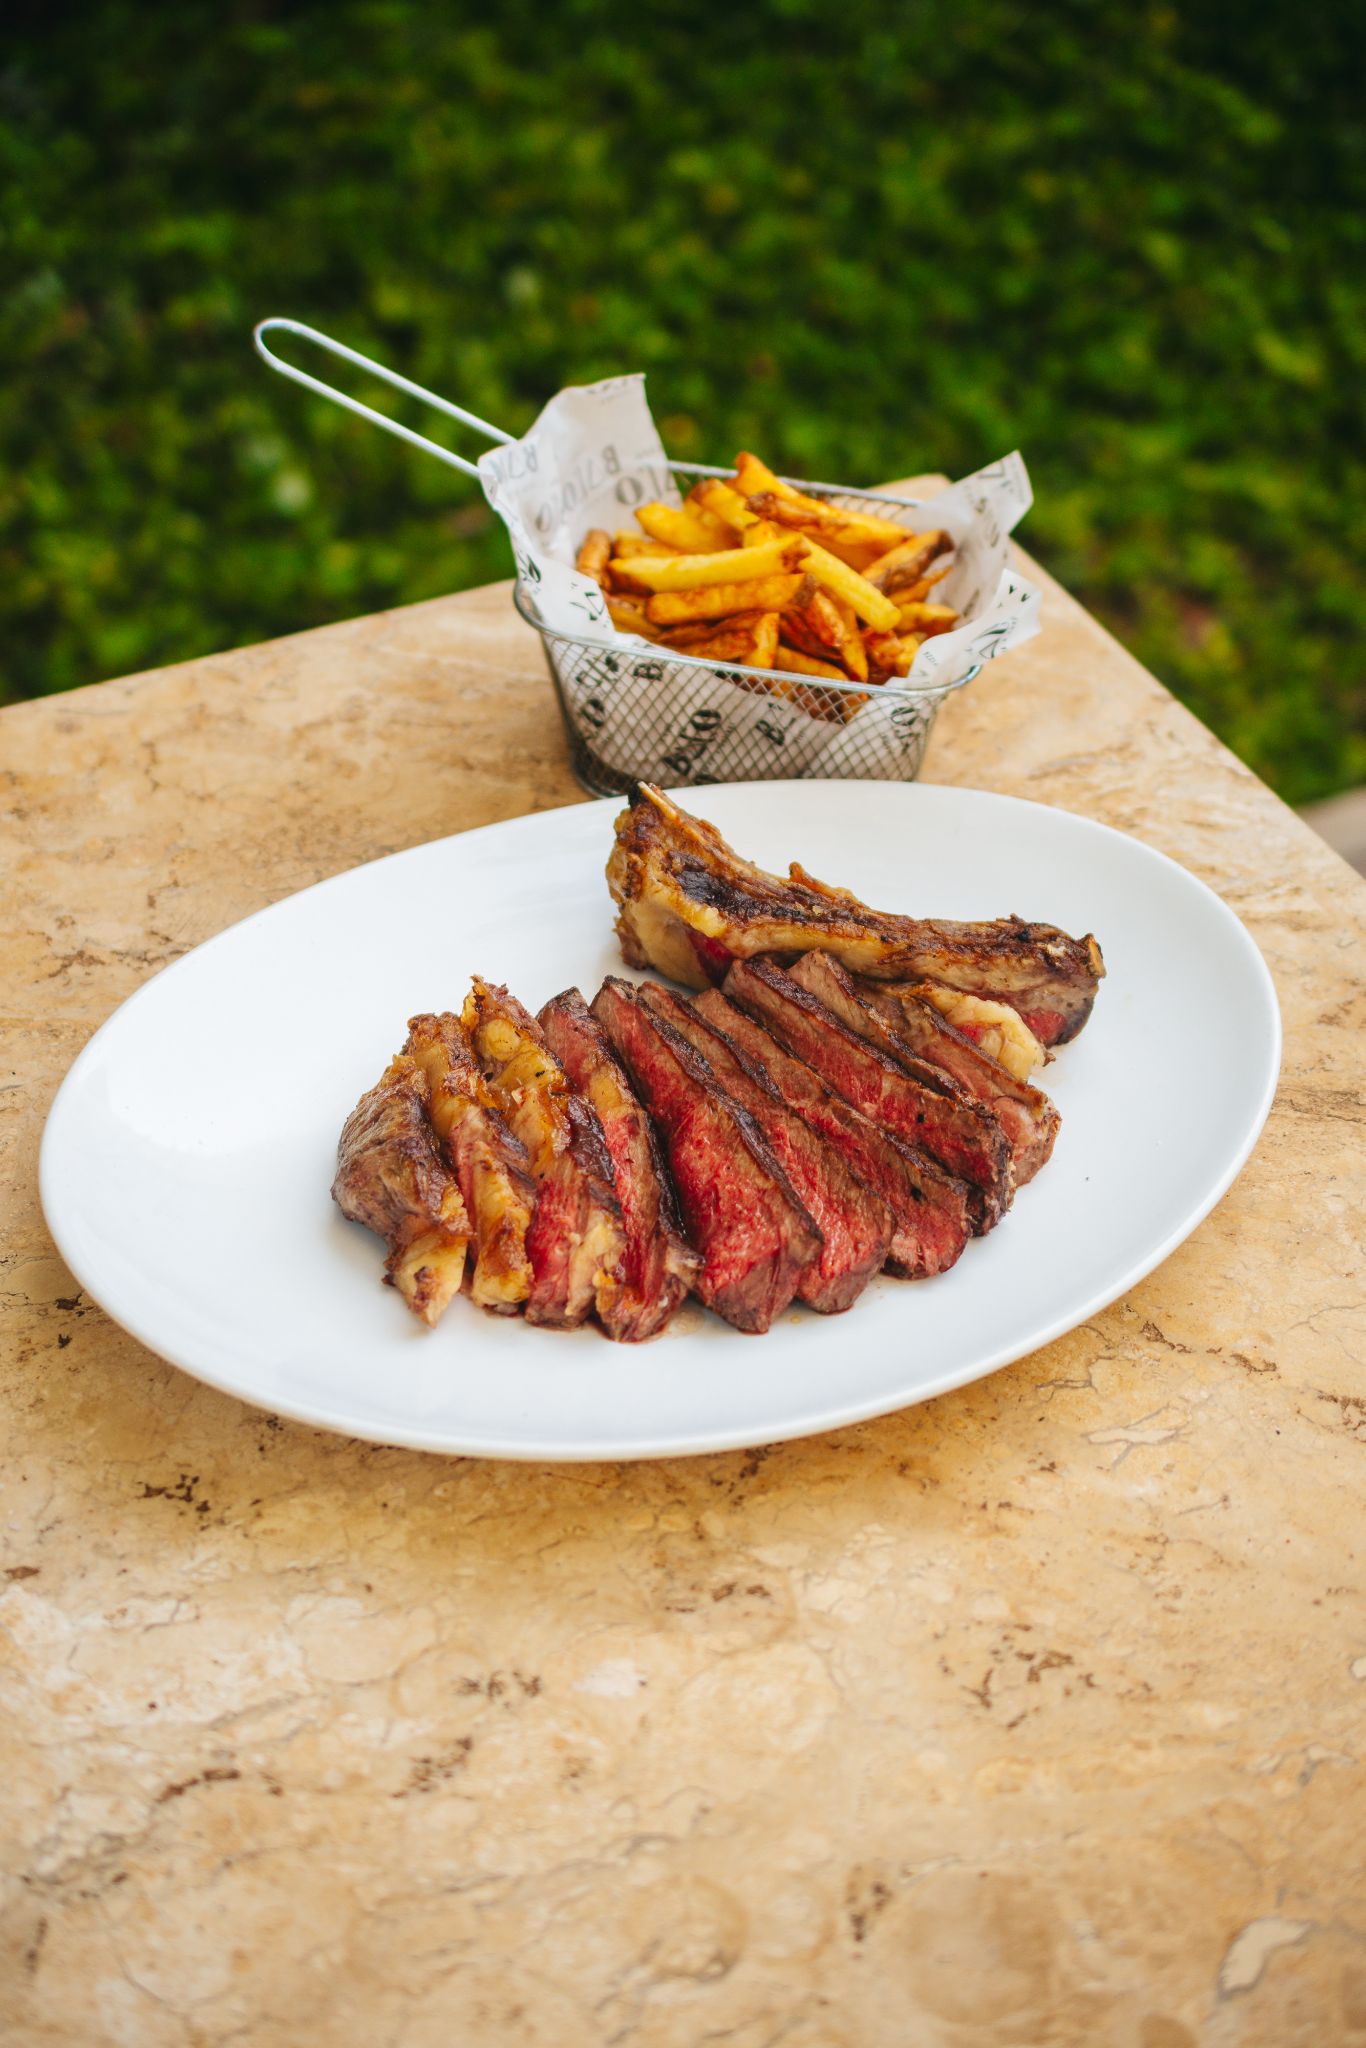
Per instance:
{"type": "Point", "coordinates": [742, 1213]}
{"type": "Point", "coordinates": [391, 1177]}
{"type": "Point", "coordinates": [961, 1134]}
{"type": "Point", "coordinates": [855, 1223]}
{"type": "Point", "coordinates": [931, 1209]}
{"type": "Point", "coordinates": [1029, 1120]}
{"type": "Point", "coordinates": [576, 1240]}
{"type": "Point", "coordinates": [489, 1163]}
{"type": "Point", "coordinates": [658, 1263]}
{"type": "Point", "coordinates": [903, 1095]}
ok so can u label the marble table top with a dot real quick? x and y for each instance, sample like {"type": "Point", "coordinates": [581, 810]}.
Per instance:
{"type": "Point", "coordinates": [1030, 1716]}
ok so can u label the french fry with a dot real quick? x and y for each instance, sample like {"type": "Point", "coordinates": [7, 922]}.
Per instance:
{"type": "Point", "coordinates": [926, 619]}
{"type": "Point", "coordinates": [624, 545]}
{"type": "Point", "coordinates": [766, 593]}
{"type": "Point", "coordinates": [916, 592]}
{"type": "Point", "coordinates": [842, 581]}
{"type": "Point", "coordinates": [594, 554]}
{"type": "Point", "coordinates": [851, 650]}
{"type": "Point", "coordinates": [692, 530]}
{"type": "Point", "coordinates": [628, 616]}
{"type": "Point", "coordinates": [764, 647]}
{"type": "Point", "coordinates": [751, 475]}
{"type": "Point", "coordinates": [809, 515]}
{"type": "Point", "coordinates": [906, 563]}
{"type": "Point", "coordinates": [723, 502]}
{"type": "Point", "coordinates": [888, 655]}
{"type": "Point", "coordinates": [731, 565]}
{"type": "Point", "coordinates": [794, 662]}
{"type": "Point", "coordinates": [732, 642]}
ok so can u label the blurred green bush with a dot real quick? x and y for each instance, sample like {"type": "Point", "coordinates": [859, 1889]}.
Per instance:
{"type": "Point", "coordinates": [1130, 239]}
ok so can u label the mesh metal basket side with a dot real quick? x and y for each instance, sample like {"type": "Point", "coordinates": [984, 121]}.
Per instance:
{"type": "Point", "coordinates": [631, 718]}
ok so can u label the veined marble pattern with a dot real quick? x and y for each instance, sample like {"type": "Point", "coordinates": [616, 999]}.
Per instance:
{"type": "Point", "coordinates": [1029, 1718]}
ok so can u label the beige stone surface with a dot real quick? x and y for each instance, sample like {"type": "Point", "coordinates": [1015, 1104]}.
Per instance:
{"type": "Point", "coordinates": [1029, 1718]}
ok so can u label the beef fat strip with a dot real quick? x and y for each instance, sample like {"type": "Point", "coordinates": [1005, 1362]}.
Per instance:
{"type": "Point", "coordinates": [855, 1223]}
{"type": "Point", "coordinates": [1029, 1120]}
{"type": "Point", "coordinates": [391, 1177]}
{"type": "Point", "coordinates": [575, 1241]}
{"type": "Point", "coordinates": [932, 1113]}
{"type": "Point", "coordinates": [687, 904]}
{"type": "Point", "coordinates": [489, 1163]}
{"type": "Point", "coordinates": [658, 1263]}
{"type": "Point", "coordinates": [741, 1211]}
{"type": "Point", "coordinates": [930, 1208]}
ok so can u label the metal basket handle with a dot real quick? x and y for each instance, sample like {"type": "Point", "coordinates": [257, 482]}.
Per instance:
{"type": "Point", "coordinates": [367, 412]}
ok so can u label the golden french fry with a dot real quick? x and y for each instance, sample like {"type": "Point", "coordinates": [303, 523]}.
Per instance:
{"type": "Point", "coordinates": [723, 502]}
{"type": "Point", "coordinates": [751, 475]}
{"type": "Point", "coordinates": [690, 530]}
{"type": "Point", "coordinates": [906, 563]}
{"type": "Point", "coordinates": [768, 593]}
{"type": "Point", "coordinates": [808, 515]}
{"type": "Point", "coordinates": [629, 616]}
{"type": "Point", "coordinates": [794, 662]}
{"type": "Point", "coordinates": [625, 545]}
{"type": "Point", "coordinates": [850, 649]}
{"type": "Point", "coordinates": [842, 581]}
{"type": "Point", "coordinates": [595, 552]}
{"type": "Point", "coordinates": [926, 619]}
{"type": "Point", "coordinates": [887, 654]}
{"type": "Point", "coordinates": [914, 592]}
{"type": "Point", "coordinates": [764, 648]}
{"type": "Point", "coordinates": [732, 642]}
{"type": "Point", "coordinates": [731, 565]}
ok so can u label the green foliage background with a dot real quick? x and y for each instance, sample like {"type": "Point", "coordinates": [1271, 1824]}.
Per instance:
{"type": "Point", "coordinates": [866, 239]}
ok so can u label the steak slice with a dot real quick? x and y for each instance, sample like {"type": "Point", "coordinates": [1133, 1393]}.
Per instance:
{"type": "Point", "coordinates": [930, 1208]}
{"type": "Point", "coordinates": [960, 1133]}
{"type": "Point", "coordinates": [906, 1096]}
{"type": "Point", "coordinates": [392, 1178]}
{"type": "Point", "coordinates": [658, 1263]}
{"type": "Point", "coordinates": [488, 1162]}
{"type": "Point", "coordinates": [575, 1241]}
{"type": "Point", "coordinates": [686, 901]}
{"type": "Point", "coordinates": [741, 1210]}
{"type": "Point", "coordinates": [1029, 1120]}
{"type": "Point", "coordinates": [855, 1223]}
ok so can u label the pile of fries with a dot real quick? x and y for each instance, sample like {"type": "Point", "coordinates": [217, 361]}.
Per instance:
{"type": "Point", "coordinates": [752, 572]}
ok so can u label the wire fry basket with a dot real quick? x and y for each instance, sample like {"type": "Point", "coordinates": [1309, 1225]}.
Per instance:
{"type": "Point", "coordinates": [633, 712]}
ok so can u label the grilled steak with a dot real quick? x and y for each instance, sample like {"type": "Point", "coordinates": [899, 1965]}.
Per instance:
{"type": "Point", "coordinates": [930, 1208]}
{"type": "Point", "coordinates": [489, 1163]}
{"type": "Point", "coordinates": [687, 904]}
{"type": "Point", "coordinates": [658, 1263]}
{"type": "Point", "coordinates": [575, 1241]}
{"type": "Point", "coordinates": [742, 1213]}
{"type": "Point", "coordinates": [1029, 1120]}
{"type": "Point", "coordinates": [1000, 1031]}
{"type": "Point", "coordinates": [954, 1129]}
{"type": "Point", "coordinates": [391, 1177]}
{"type": "Point", "coordinates": [907, 1096]}
{"type": "Point", "coordinates": [855, 1223]}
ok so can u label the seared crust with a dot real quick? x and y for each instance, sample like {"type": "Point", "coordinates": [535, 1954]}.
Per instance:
{"type": "Point", "coordinates": [391, 1177]}
{"type": "Point", "coordinates": [687, 904]}
{"type": "Point", "coordinates": [575, 1242]}
{"type": "Point", "coordinates": [489, 1162]}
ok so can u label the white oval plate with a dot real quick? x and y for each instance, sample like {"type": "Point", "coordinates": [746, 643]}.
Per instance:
{"type": "Point", "coordinates": [188, 1157]}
